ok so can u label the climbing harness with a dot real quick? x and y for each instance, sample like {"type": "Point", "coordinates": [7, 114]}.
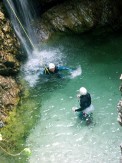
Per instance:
{"type": "Point", "coordinates": [46, 71]}
{"type": "Point", "coordinates": [23, 28]}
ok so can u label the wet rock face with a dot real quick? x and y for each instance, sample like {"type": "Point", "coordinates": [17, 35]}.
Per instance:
{"type": "Point", "coordinates": [9, 96]}
{"type": "Point", "coordinates": [80, 16]}
{"type": "Point", "coordinates": [67, 17]}
{"type": "Point", "coordinates": [9, 65]}
{"type": "Point", "coordinates": [119, 106]}
{"type": "Point", "coordinates": [9, 47]}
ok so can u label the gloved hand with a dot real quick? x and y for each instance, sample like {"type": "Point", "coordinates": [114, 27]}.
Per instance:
{"type": "Point", "coordinates": [74, 108]}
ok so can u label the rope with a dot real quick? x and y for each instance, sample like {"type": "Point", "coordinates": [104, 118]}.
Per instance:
{"type": "Point", "coordinates": [20, 23]}
{"type": "Point", "coordinates": [24, 29]}
{"type": "Point", "coordinates": [11, 153]}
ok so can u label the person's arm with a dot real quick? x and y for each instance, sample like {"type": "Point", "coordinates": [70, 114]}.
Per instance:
{"type": "Point", "coordinates": [75, 109]}
{"type": "Point", "coordinates": [60, 68]}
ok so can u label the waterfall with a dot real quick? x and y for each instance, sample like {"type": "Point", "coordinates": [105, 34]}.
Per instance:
{"type": "Point", "coordinates": [22, 15]}
{"type": "Point", "coordinates": [37, 57]}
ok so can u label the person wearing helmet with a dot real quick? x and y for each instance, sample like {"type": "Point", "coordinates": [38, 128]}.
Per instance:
{"type": "Point", "coordinates": [85, 102]}
{"type": "Point", "coordinates": [86, 108]}
{"type": "Point", "coordinates": [85, 99]}
{"type": "Point", "coordinates": [53, 69]}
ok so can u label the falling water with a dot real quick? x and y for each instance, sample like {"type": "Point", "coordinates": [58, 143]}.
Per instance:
{"type": "Point", "coordinates": [22, 15]}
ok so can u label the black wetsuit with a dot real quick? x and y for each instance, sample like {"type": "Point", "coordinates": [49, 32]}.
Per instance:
{"type": "Point", "coordinates": [85, 102]}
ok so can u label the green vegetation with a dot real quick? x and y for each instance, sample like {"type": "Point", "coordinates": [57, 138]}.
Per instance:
{"type": "Point", "coordinates": [19, 123]}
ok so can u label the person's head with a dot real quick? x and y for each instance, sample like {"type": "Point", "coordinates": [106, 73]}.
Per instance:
{"type": "Point", "coordinates": [51, 67]}
{"type": "Point", "coordinates": [83, 91]}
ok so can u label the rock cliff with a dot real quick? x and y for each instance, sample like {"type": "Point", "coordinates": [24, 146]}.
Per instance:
{"type": "Point", "coordinates": [9, 66]}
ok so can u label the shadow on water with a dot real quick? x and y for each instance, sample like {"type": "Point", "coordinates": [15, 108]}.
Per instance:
{"type": "Point", "coordinates": [48, 85]}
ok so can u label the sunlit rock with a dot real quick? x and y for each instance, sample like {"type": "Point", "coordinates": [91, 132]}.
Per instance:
{"type": "Point", "coordinates": [9, 47]}
{"type": "Point", "coordinates": [8, 63]}
{"type": "Point", "coordinates": [1, 137]}
{"type": "Point", "coordinates": [9, 96]}
{"type": "Point", "coordinates": [6, 27]}
{"type": "Point", "coordinates": [1, 16]}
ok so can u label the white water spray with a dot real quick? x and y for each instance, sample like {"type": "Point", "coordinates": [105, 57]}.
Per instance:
{"type": "Point", "coordinates": [76, 72]}
{"type": "Point", "coordinates": [33, 68]}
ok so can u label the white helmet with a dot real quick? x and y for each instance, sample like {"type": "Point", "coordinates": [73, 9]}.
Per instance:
{"type": "Point", "coordinates": [51, 65]}
{"type": "Point", "coordinates": [83, 91]}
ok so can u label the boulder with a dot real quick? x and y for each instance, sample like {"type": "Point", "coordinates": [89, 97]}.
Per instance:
{"type": "Point", "coordinates": [80, 16]}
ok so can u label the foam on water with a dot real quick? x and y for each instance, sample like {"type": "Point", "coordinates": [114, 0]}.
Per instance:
{"type": "Point", "coordinates": [37, 62]}
{"type": "Point", "coordinates": [76, 72]}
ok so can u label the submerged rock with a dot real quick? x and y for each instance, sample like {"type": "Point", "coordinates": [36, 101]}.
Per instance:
{"type": "Point", "coordinates": [1, 16]}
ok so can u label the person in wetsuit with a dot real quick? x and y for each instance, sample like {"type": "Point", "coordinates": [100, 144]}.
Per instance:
{"type": "Point", "coordinates": [85, 99]}
{"type": "Point", "coordinates": [86, 108]}
{"type": "Point", "coordinates": [53, 69]}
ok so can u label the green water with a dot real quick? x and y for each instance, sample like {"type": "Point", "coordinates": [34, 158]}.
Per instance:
{"type": "Point", "coordinates": [59, 135]}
